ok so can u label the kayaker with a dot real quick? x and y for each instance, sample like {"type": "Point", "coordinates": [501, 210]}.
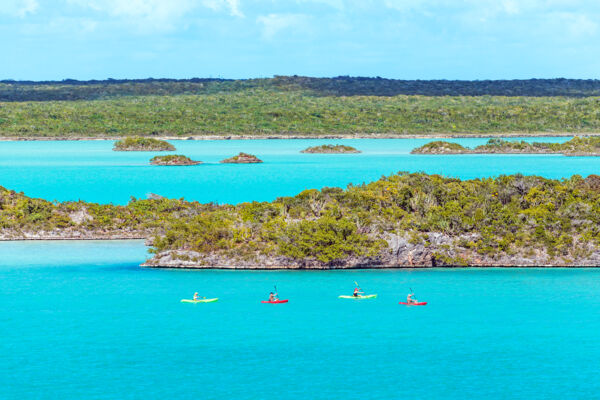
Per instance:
{"type": "Point", "coordinates": [196, 296]}
{"type": "Point", "coordinates": [357, 292]}
{"type": "Point", "coordinates": [410, 300]}
{"type": "Point", "coordinates": [273, 297]}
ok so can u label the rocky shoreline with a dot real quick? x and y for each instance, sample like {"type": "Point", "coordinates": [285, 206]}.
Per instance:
{"type": "Point", "coordinates": [401, 253]}
{"type": "Point", "coordinates": [173, 160]}
{"type": "Point", "coordinates": [242, 158]}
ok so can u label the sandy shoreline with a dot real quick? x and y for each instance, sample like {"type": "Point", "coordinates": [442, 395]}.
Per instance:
{"type": "Point", "coordinates": [299, 136]}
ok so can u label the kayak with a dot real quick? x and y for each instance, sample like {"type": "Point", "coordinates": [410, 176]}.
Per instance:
{"type": "Point", "coordinates": [366, 296]}
{"type": "Point", "coordinates": [275, 301]}
{"type": "Point", "coordinates": [199, 300]}
{"type": "Point", "coordinates": [421, 303]}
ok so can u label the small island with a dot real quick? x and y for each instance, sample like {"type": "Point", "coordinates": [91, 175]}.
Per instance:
{"type": "Point", "coordinates": [142, 144]}
{"type": "Point", "coordinates": [175, 159]}
{"type": "Point", "coordinates": [242, 158]}
{"type": "Point", "coordinates": [330, 149]}
{"type": "Point", "coordinates": [403, 220]}
{"type": "Point", "coordinates": [440, 147]}
{"type": "Point", "coordinates": [578, 146]}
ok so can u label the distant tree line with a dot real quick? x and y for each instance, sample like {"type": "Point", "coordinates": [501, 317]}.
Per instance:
{"type": "Point", "coordinates": [70, 89]}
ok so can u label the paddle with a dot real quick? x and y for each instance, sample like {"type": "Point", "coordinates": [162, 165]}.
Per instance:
{"type": "Point", "coordinates": [413, 293]}
{"type": "Point", "coordinates": [359, 288]}
{"type": "Point", "coordinates": [276, 297]}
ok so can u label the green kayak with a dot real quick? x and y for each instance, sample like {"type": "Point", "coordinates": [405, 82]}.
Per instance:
{"type": "Point", "coordinates": [200, 300]}
{"type": "Point", "coordinates": [367, 296]}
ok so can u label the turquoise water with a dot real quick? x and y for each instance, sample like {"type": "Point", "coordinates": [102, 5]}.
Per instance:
{"type": "Point", "coordinates": [90, 170]}
{"type": "Point", "coordinates": [80, 320]}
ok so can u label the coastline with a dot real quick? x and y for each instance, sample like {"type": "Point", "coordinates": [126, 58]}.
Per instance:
{"type": "Point", "coordinates": [385, 267]}
{"type": "Point", "coordinates": [302, 137]}
{"type": "Point", "coordinates": [425, 263]}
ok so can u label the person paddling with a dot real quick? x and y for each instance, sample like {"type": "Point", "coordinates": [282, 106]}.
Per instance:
{"type": "Point", "coordinates": [273, 297]}
{"type": "Point", "coordinates": [357, 292]}
{"type": "Point", "coordinates": [196, 296]}
{"type": "Point", "coordinates": [410, 299]}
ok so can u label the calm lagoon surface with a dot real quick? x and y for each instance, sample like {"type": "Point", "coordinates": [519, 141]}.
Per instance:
{"type": "Point", "coordinates": [81, 320]}
{"type": "Point", "coordinates": [91, 171]}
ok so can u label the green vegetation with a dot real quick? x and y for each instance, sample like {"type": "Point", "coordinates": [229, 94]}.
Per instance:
{"type": "Point", "coordinates": [142, 144]}
{"type": "Point", "coordinates": [440, 147]}
{"type": "Point", "coordinates": [21, 216]}
{"type": "Point", "coordinates": [523, 219]}
{"type": "Point", "coordinates": [578, 146]}
{"type": "Point", "coordinates": [296, 106]}
{"type": "Point", "coordinates": [331, 149]}
{"type": "Point", "coordinates": [174, 159]}
{"type": "Point", "coordinates": [487, 218]}
{"type": "Point", "coordinates": [242, 158]}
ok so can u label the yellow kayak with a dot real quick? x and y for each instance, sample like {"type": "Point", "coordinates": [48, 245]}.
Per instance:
{"type": "Point", "coordinates": [366, 296]}
{"type": "Point", "coordinates": [199, 300]}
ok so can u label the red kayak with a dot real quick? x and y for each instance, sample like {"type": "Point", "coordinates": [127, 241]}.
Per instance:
{"type": "Point", "coordinates": [275, 301]}
{"type": "Point", "coordinates": [421, 303]}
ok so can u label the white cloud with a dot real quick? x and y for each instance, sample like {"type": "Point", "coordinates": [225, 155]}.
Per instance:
{"type": "Point", "coordinates": [233, 6]}
{"type": "Point", "coordinates": [59, 25]}
{"type": "Point", "coordinates": [88, 25]}
{"type": "Point", "coordinates": [403, 5]}
{"type": "Point", "coordinates": [578, 24]}
{"type": "Point", "coordinates": [18, 8]}
{"type": "Point", "coordinates": [490, 7]}
{"type": "Point", "coordinates": [156, 15]}
{"type": "Point", "coordinates": [457, 6]}
{"type": "Point", "coordinates": [574, 17]}
{"type": "Point", "coordinates": [337, 4]}
{"type": "Point", "coordinates": [272, 24]}
{"type": "Point", "coordinates": [511, 7]}
{"type": "Point", "coordinates": [156, 10]}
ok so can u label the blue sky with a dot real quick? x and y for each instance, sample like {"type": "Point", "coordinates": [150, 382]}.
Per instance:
{"type": "Point", "coordinates": [404, 39]}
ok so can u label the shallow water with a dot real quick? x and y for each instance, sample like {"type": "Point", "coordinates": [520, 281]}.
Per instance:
{"type": "Point", "coordinates": [81, 320]}
{"type": "Point", "coordinates": [91, 171]}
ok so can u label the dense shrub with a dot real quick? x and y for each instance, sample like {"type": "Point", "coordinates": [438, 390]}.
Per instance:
{"type": "Point", "coordinates": [573, 147]}
{"type": "Point", "coordinates": [142, 144]}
